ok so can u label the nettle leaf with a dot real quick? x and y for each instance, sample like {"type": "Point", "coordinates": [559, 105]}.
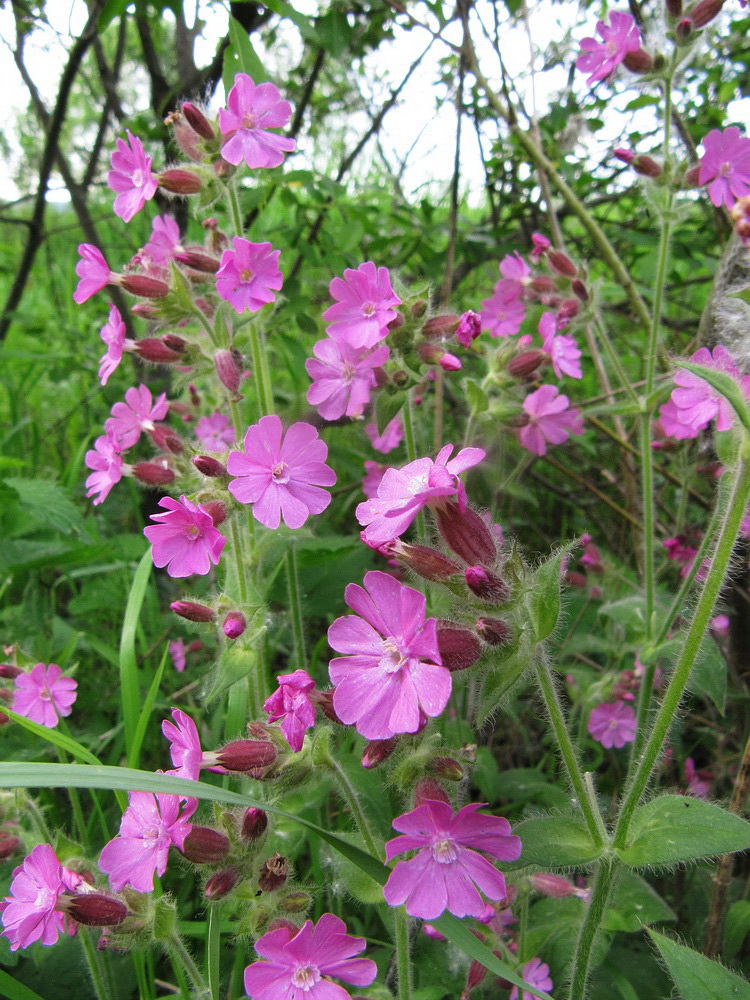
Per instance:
{"type": "Point", "coordinates": [697, 977]}
{"type": "Point", "coordinates": [47, 504]}
{"type": "Point", "coordinates": [677, 828]}
{"type": "Point", "coordinates": [543, 598]}
{"type": "Point", "coordinates": [555, 842]}
{"type": "Point", "coordinates": [633, 905]}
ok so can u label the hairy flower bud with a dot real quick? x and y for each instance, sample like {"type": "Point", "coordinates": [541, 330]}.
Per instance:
{"type": "Point", "coordinates": [234, 625]}
{"type": "Point", "coordinates": [280, 922]}
{"type": "Point", "coordinates": [254, 825]}
{"type": "Point", "coordinates": [228, 370]}
{"type": "Point", "coordinates": [166, 440]}
{"type": "Point", "coordinates": [192, 611]}
{"type": "Point", "coordinates": [562, 264]}
{"type": "Point", "coordinates": [579, 290]}
{"type": "Point", "coordinates": [246, 755]}
{"type": "Point", "coordinates": [486, 585]}
{"type": "Point", "coordinates": [459, 648]}
{"type": "Point", "coordinates": [554, 886]}
{"type": "Point", "coordinates": [542, 284]}
{"type": "Point", "coordinates": [429, 790]}
{"type": "Point", "coordinates": [217, 511]}
{"type": "Point", "coordinates": [9, 671]}
{"type": "Point", "coordinates": [209, 466]}
{"type": "Point", "coordinates": [96, 909]}
{"type": "Point", "coordinates": [377, 752]}
{"type": "Point", "coordinates": [494, 631]}
{"type": "Point", "coordinates": [638, 62]}
{"type": "Point", "coordinates": [273, 873]}
{"type": "Point", "coordinates": [143, 286]}
{"type": "Point", "coordinates": [180, 181]}
{"type": "Point", "coordinates": [426, 562]}
{"type": "Point", "coordinates": [704, 12]}
{"type": "Point", "coordinates": [440, 326]}
{"type": "Point", "coordinates": [683, 30]}
{"type": "Point", "coordinates": [155, 350]}
{"type": "Point", "coordinates": [153, 474]}
{"type": "Point", "coordinates": [526, 363]}
{"type": "Point", "coordinates": [197, 120]}
{"type": "Point", "coordinates": [466, 533]}
{"type": "Point", "coordinates": [9, 844]}
{"type": "Point", "coordinates": [198, 261]}
{"type": "Point", "coordinates": [221, 883]}
{"type": "Point", "coordinates": [295, 902]}
{"type": "Point", "coordinates": [324, 701]}
{"type": "Point", "coordinates": [205, 846]}
{"type": "Point", "coordinates": [469, 328]}
{"type": "Point", "coordinates": [450, 363]}
{"type": "Point", "coordinates": [447, 768]}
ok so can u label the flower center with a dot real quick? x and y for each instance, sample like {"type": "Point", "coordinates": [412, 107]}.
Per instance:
{"type": "Point", "coordinates": [725, 169]}
{"type": "Point", "coordinates": [348, 371]}
{"type": "Point", "coordinates": [193, 533]}
{"type": "Point", "coordinates": [44, 694]}
{"type": "Point", "coordinates": [280, 473]}
{"type": "Point", "coordinates": [246, 274]}
{"type": "Point", "coordinates": [138, 178]}
{"type": "Point", "coordinates": [305, 977]}
{"type": "Point", "coordinates": [444, 851]}
{"type": "Point", "coordinates": [249, 120]}
{"type": "Point", "coordinates": [391, 660]}
{"type": "Point", "coordinates": [368, 309]}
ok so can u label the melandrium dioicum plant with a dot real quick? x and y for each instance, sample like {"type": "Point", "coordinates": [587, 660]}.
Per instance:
{"type": "Point", "coordinates": [439, 635]}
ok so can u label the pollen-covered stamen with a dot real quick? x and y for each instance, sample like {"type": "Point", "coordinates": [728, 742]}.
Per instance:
{"type": "Point", "coordinates": [444, 851]}
{"type": "Point", "coordinates": [246, 274]}
{"type": "Point", "coordinates": [368, 309]}
{"type": "Point", "coordinates": [280, 473]}
{"type": "Point", "coordinates": [305, 977]}
{"type": "Point", "coordinates": [392, 659]}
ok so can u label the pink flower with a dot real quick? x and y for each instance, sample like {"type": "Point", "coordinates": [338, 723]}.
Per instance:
{"type": "Point", "coordinates": [696, 785]}
{"type": "Point", "coordinates": [404, 492]}
{"type": "Point", "coordinates": [298, 962]}
{"type": "Point", "coordinates": [549, 419]}
{"type": "Point", "coordinates": [136, 414]}
{"type": "Point", "coordinates": [342, 377]}
{"type": "Point", "coordinates": [130, 177]}
{"type": "Point", "coordinates": [149, 827]}
{"type": "Point", "coordinates": [113, 335]}
{"type": "Point", "coordinates": [44, 695]}
{"type": "Point", "coordinates": [281, 475]}
{"type": "Point", "coordinates": [372, 478]}
{"type": "Point", "coordinates": [447, 871]}
{"type": "Point", "coordinates": [536, 973]}
{"type": "Point", "coordinates": [291, 704]}
{"type": "Point", "coordinates": [672, 425]}
{"type": "Point", "coordinates": [164, 242]}
{"type": "Point", "coordinates": [697, 402]}
{"type": "Point", "coordinates": [469, 327]}
{"type": "Point", "coordinates": [93, 271]}
{"type": "Point", "coordinates": [249, 275]}
{"type": "Point", "coordinates": [541, 245]}
{"type": "Point", "coordinates": [185, 539]}
{"type": "Point", "coordinates": [391, 678]}
{"type": "Point", "coordinates": [215, 432]}
{"type": "Point", "coordinates": [514, 267]}
{"type": "Point", "coordinates": [252, 110]}
{"type": "Point", "coordinates": [108, 465]}
{"type": "Point", "coordinates": [177, 651]}
{"type": "Point", "coordinates": [725, 166]}
{"type": "Point", "coordinates": [503, 313]}
{"type": "Point", "coordinates": [601, 59]}
{"type": "Point", "coordinates": [562, 349]}
{"type": "Point", "coordinates": [392, 436]}
{"type": "Point", "coordinates": [184, 745]}
{"type": "Point", "coordinates": [365, 305]}
{"type": "Point", "coordinates": [29, 914]}
{"type": "Point", "coordinates": [612, 724]}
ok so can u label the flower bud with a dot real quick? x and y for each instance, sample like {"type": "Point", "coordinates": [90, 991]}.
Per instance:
{"type": "Point", "coordinates": [96, 910]}
{"type": "Point", "coordinates": [279, 922]}
{"type": "Point", "coordinates": [542, 284]}
{"type": "Point", "coordinates": [429, 790]}
{"type": "Point", "coordinates": [683, 30]}
{"type": "Point", "coordinates": [526, 363]}
{"type": "Point", "coordinates": [217, 511]}
{"type": "Point", "coordinates": [209, 466]}
{"type": "Point", "coordinates": [447, 768]}
{"type": "Point", "coordinates": [273, 873]}
{"type": "Point", "coordinates": [426, 562]}
{"type": "Point", "coordinates": [254, 825]}
{"type": "Point", "coordinates": [324, 701]}
{"type": "Point", "coordinates": [180, 181]}
{"type": "Point", "coordinates": [440, 326]}
{"type": "Point", "coordinates": [579, 290]}
{"type": "Point", "coordinates": [246, 755]}
{"type": "Point", "coordinates": [228, 370]}
{"type": "Point", "coordinates": [9, 671]}
{"type": "Point", "coordinates": [295, 902]}
{"type": "Point", "coordinates": [192, 611]}
{"type": "Point", "coordinates": [474, 977]}
{"type": "Point", "coordinates": [638, 62]}
{"type": "Point", "coordinates": [166, 440]}
{"type": "Point", "coordinates": [234, 625]}
{"type": "Point", "coordinates": [674, 8]}
{"type": "Point", "coordinates": [574, 579]}
{"type": "Point", "coordinates": [493, 631]}
{"type": "Point", "coordinates": [9, 844]}
{"type": "Point", "coordinates": [205, 846]}
{"type": "Point", "coordinates": [145, 310]}
{"type": "Point", "coordinates": [143, 286]}
{"type": "Point", "coordinates": [197, 121]}
{"type": "Point", "coordinates": [154, 350]}
{"type": "Point", "coordinates": [152, 474]}
{"type": "Point", "coordinates": [469, 328]}
{"type": "Point", "coordinates": [465, 532]}
{"type": "Point", "coordinates": [562, 264]}
{"type": "Point", "coordinates": [221, 883]}
{"type": "Point", "coordinates": [377, 752]}
{"type": "Point", "coordinates": [486, 585]}
{"type": "Point", "coordinates": [419, 308]}
{"type": "Point", "coordinates": [704, 12]}
{"type": "Point", "coordinates": [449, 363]}
{"type": "Point", "coordinates": [198, 261]}
{"type": "Point", "coordinates": [459, 648]}
{"type": "Point", "coordinates": [554, 886]}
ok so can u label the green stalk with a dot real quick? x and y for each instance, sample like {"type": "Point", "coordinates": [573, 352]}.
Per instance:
{"type": "Point", "coordinates": [614, 358]}
{"type": "Point", "coordinates": [234, 208]}
{"type": "Point", "coordinates": [730, 526]}
{"type": "Point", "coordinates": [587, 803]}
{"type": "Point", "coordinates": [295, 606]}
{"type": "Point", "coordinates": [213, 950]}
{"type": "Point", "coordinates": [238, 558]}
{"type": "Point", "coordinates": [182, 957]}
{"type": "Point", "coordinates": [261, 371]}
{"type": "Point", "coordinates": [606, 877]}
{"type": "Point", "coordinates": [75, 802]}
{"type": "Point", "coordinates": [350, 795]}
{"type": "Point", "coordinates": [403, 963]}
{"type": "Point", "coordinates": [93, 957]}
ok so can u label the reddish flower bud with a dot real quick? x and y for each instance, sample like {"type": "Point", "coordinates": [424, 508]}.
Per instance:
{"type": "Point", "coordinates": [526, 363]}
{"type": "Point", "coordinates": [143, 286]}
{"type": "Point", "coordinates": [9, 844]}
{"type": "Point", "coordinates": [429, 790]}
{"type": "Point", "coordinates": [378, 751]}
{"type": "Point", "coordinates": [419, 308]}
{"type": "Point", "coordinates": [493, 631]}
{"type": "Point", "coordinates": [569, 309]}
{"type": "Point", "coordinates": [324, 701]}
{"type": "Point", "coordinates": [152, 349]}
{"type": "Point", "coordinates": [562, 264]}
{"type": "Point", "coordinates": [466, 533]}
{"type": "Point", "coordinates": [543, 284]}
{"type": "Point", "coordinates": [441, 326]}
{"type": "Point", "coordinates": [246, 755]}
{"type": "Point", "coordinates": [254, 825]}
{"type": "Point", "coordinates": [474, 976]}
{"type": "Point", "coordinates": [674, 7]}
{"type": "Point", "coordinates": [626, 155]}
{"type": "Point", "coordinates": [153, 474]}
{"type": "Point", "coordinates": [217, 511]}
{"type": "Point", "coordinates": [234, 625]}
{"type": "Point", "coordinates": [228, 370]}
{"type": "Point", "coordinates": [459, 648]}
{"type": "Point", "coordinates": [704, 12]}
{"type": "Point", "coordinates": [175, 343]}
{"type": "Point", "coordinates": [692, 176]}
{"type": "Point", "coordinates": [638, 62]}
{"type": "Point", "coordinates": [574, 579]}
{"type": "Point", "coordinates": [198, 261]}
{"type": "Point", "coordinates": [9, 671]}
{"type": "Point", "coordinates": [96, 910]}
{"type": "Point", "coordinates": [192, 611]}
{"type": "Point", "coordinates": [180, 181]}
{"type": "Point", "coordinates": [486, 585]}
{"type": "Point", "coordinates": [554, 886]}
{"type": "Point", "coordinates": [683, 30]}
{"type": "Point", "coordinates": [166, 440]}
{"type": "Point", "coordinates": [447, 768]}
{"type": "Point", "coordinates": [295, 902]}
{"type": "Point", "coordinates": [145, 310]}
{"type": "Point", "coordinates": [205, 846]}
{"type": "Point", "coordinates": [197, 121]}
{"type": "Point", "coordinates": [273, 873]}
{"type": "Point", "coordinates": [279, 922]}
{"type": "Point", "coordinates": [210, 467]}
{"type": "Point", "coordinates": [450, 363]}
{"type": "Point", "coordinates": [221, 883]}
{"type": "Point", "coordinates": [426, 562]}
{"type": "Point", "coordinates": [579, 289]}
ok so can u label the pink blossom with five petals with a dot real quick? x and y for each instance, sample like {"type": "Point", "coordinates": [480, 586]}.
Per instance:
{"type": "Point", "coordinates": [612, 724]}
{"type": "Point", "coordinates": [392, 436]}
{"type": "Point", "coordinates": [619, 37]}
{"type": "Point", "coordinates": [44, 695]}
{"type": "Point", "coordinates": [108, 467]}
{"type": "Point", "coordinates": [562, 349]}
{"type": "Point", "coordinates": [365, 305]}
{"type": "Point", "coordinates": [30, 913]}
{"type": "Point", "coordinates": [252, 110]}
{"type": "Point", "coordinates": [291, 705]}
{"type": "Point", "coordinates": [94, 272]}
{"type": "Point", "coordinates": [725, 166]}
{"type": "Point", "coordinates": [113, 335]}
{"type": "Point", "coordinates": [185, 539]}
{"type": "Point", "coordinates": [550, 419]}
{"type": "Point", "coordinates": [136, 414]}
{"type": "Point", "coordinates": [130, 177]}
{"type": "Point", "coordinates": [215, 432]}
{"type": "Point", "coordinates": [503, 313]}
{"type": "Point", "coordinates": [164, 242]}
{"type": "Point", "coordinates": [535, 973]}
{"type": "Point", "coordinates": [698, 403]}
{"type": "Point", "coordinates": [342, 377]}
{"type": "Point", "coordinates": [248, 275]}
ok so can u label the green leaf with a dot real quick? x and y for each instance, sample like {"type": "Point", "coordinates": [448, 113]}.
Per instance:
{"type": "Point", "coordinates": [58, 739]}
{"type": "Point", "coordinates": [676, 828]}
{"type": "Point", "coordinates": [286, 10]}
{"type": "Point", "coordinates": [633, 905]}
{"type": "Point", "coordinates": [736, 927]}
{"type": "Point", "coordinates": [476, 398]}
{"type": "Point", "coordinates": [241, 57]}
{"type": "Point", "coordinates": [726, 386]}
{"type": "Point", "coordinates": [628, 612]}
{"type": "Point", "coordinates": [697, 977]}
{"type": "Point", "coordinates": [503, 669]}
{"type": "Point", "coordinates": [12, 990]}
{"type": "Point", "coordinates": [129, 680]}
{"type": "Point", "coordinates": [47, 504]}
{"type": "Point", "coordinates": [543, 598]}
{"type": "Point", "coordinates": [708, 678]}
{"type": "Point", "coordinates": [526, 784]}
{"type": "Point", "coordinates": [143, 719]}
{"type": "Point", "coordinates": [555, 842]}
{"type": "Point", "coordinates": [386, 408]}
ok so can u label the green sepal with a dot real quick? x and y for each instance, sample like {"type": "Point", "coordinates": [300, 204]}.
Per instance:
{"type": "Point", "coordinates": [165, 919]}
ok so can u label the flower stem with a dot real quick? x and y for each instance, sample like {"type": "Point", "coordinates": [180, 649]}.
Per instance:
{"type": "Point", "coordinates": [213, 950]}
{"type": "Point", "coordinates": [730, 526]}
{"type": "Point", "coordinates": [352, 802]}
{"type": "Point", "coordinates": [604, 882]}
{"type": "Point", "coordinates": [261, 371]}
{"type": "Point", "coordinates": [295, 606]}
{"type": "Point", "coordinates": [403, 963]}
{"type": "Point", "coordinates": [180, 955]}
{"type": "Point", "coordinates": [93, 960]}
